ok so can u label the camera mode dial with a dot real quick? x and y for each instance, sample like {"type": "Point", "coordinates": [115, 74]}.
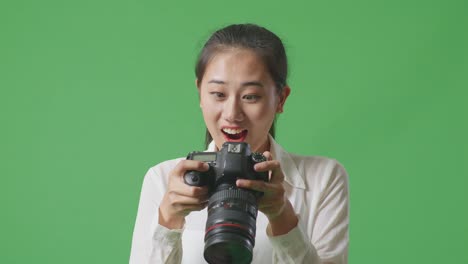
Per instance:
{"type": "Point", "coordinates": [258, 157]}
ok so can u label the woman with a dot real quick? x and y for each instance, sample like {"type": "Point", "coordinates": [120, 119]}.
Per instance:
{"type": "Point", "coordinates": [241, 79]}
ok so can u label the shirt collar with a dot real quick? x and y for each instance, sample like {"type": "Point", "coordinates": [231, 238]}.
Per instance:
{"type": "Point", "coordinates": [288, 166]}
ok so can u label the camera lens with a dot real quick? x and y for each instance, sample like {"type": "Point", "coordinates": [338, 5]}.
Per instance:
{"type": "Point", "coordinates": [231, 226]}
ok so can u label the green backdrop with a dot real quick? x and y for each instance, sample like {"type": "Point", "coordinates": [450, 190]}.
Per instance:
{"type": "Point", "coordinates": [93, 93]}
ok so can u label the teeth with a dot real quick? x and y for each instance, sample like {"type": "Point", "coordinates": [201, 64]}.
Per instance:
{"type": "Point", "coordinates": [232, 131]}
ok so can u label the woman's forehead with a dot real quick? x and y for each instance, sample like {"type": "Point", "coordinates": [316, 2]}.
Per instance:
{"type": "Point", "coordinates": [236, 65]}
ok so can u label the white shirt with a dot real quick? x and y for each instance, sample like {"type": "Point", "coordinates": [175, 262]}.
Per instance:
{"type": "Point", "coordinates": [317, 188]}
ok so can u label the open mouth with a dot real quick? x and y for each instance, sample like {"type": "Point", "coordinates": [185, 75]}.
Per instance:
{"type": "Point", "coordinates": [234, 134]}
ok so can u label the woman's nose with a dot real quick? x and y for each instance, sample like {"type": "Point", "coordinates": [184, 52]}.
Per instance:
{"type": "Point", "coordinates": [232, 111]}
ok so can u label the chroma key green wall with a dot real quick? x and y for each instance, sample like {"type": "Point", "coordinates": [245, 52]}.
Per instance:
{"type": "Point", "coordinates": [93, 93]}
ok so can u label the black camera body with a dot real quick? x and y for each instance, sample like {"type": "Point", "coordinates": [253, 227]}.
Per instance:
{"type": "Point", "coordinates": [234, 161]}
{"type": "Point", "coordinates": [232, 211]}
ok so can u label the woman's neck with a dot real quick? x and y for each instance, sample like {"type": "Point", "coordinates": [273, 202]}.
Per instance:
{"type": "Point", "coordinates": [264, 147]}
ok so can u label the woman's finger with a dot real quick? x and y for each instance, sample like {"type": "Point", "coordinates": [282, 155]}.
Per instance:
{"type": "Point", "coordinates": [275, 167]}
{"type": "Point", "coordinates": [268, 155]}
{"type": "Point", "coordinates": [187, 208]}
{"type": "Point", "coordinates": [267, 165]}
{"type": "Point", "coordinates": [177, 198]}
{"type": "Point", "coordinates": [181, 188]}
{"type": "Point", "coordinates": [255, 185]}
{"type": "Point", "coordinates": [188, 165]}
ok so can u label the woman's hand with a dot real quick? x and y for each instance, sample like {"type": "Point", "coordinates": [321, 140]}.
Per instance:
{"type": "Point", "coordinates": [180, 198]}
{"type": "Point", "coordinates": [274, 203]}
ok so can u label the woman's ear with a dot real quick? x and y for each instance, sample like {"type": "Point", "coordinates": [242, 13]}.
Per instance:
{"type": "Point", "coordinates": [282, 99]}
{"type": "Point", "coordinates": [198, 89]}
{"type": "Point", "coordinates": [196, 85]}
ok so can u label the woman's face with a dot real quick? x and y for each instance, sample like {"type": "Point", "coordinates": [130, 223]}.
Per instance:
{"type": "Point", "coordinates": [239, 100]}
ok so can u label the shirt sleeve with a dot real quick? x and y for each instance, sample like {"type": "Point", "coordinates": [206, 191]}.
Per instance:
{"type": "Point", "coordinates": [331, 224]}
{"type": "Point", "coordinates": [329, 240]}
{"type": "Point", "coordinates": [153, 243]}
{"type": "Point", "coordinates": [293, 247]}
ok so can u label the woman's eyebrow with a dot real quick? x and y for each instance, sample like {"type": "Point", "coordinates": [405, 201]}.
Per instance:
{"type": "Point", "coordinates": [244, 84]}
{"type": "Point", "coordinates": [216, 81]}
{"type": "Point", "coordinates": [253, 83]}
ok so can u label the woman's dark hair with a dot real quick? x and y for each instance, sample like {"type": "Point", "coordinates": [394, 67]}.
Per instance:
{"type": "Point", "coordinates": [266, 45]}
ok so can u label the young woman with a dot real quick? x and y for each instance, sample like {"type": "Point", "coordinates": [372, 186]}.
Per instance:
{"type": "Point", "coordinates": [304, 212]}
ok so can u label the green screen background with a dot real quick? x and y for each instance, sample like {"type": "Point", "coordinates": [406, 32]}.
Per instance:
{"type": "Point", "coordinates": [93, 93]}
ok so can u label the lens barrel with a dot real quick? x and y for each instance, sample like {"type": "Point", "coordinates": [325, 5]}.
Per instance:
{"type": "Point", "coordinates": [231, 226]}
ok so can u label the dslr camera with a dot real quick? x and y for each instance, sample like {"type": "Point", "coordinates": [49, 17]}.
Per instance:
{"type": "Point", "coordinates": [232, 211]}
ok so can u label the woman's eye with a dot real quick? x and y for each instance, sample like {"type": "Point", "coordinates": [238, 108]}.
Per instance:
{"type": "Point", "coordinates": [251, 97]}
{"type": "Point", "coordinates": [217, 95]}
